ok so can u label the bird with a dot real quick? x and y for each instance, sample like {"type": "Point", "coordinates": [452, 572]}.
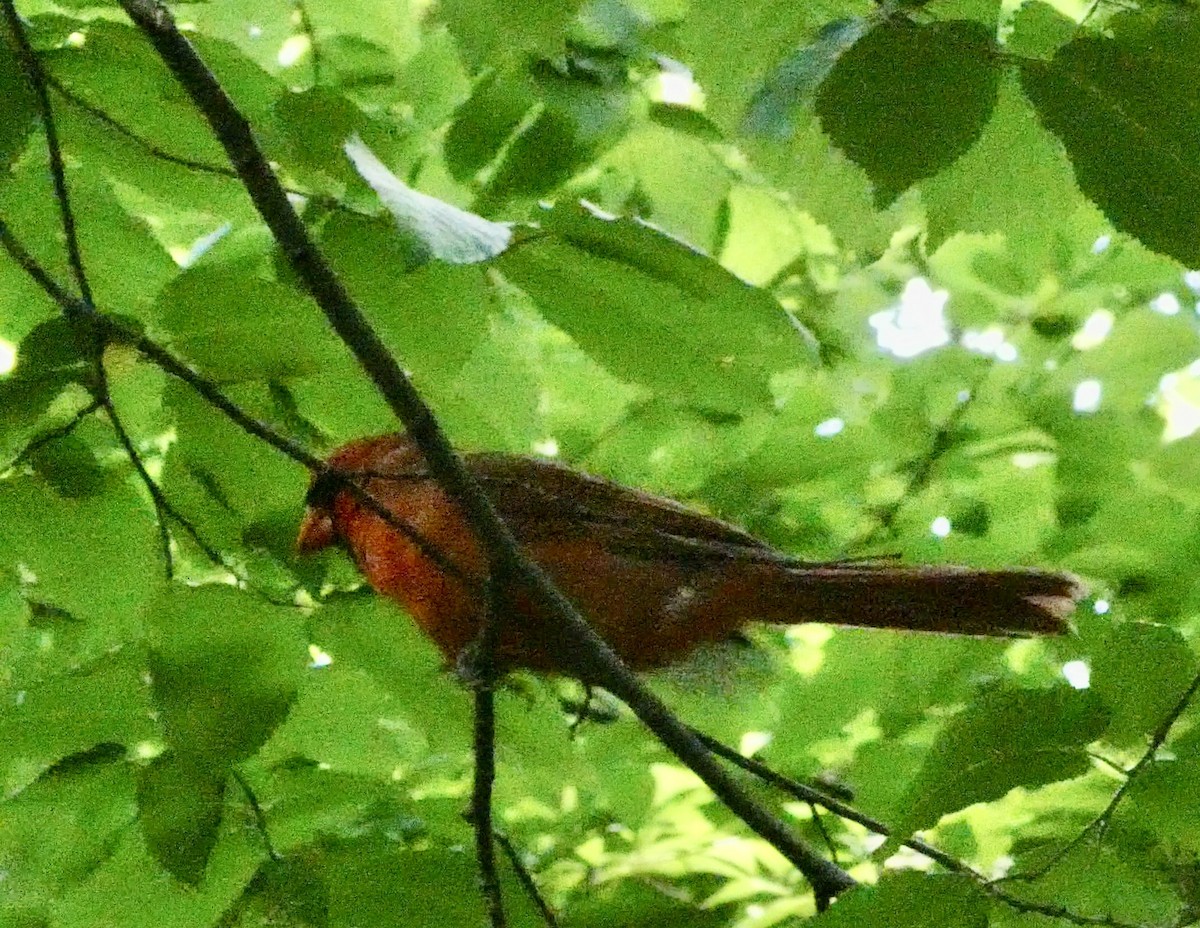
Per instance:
{"type": "Point", "coordinates": [655, 578]}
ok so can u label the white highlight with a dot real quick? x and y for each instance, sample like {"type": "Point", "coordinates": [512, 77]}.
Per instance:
{"type": "Point", "coordinates": [990, 341]}
{"type": "Point", "coordinates": [1101, 606]}
{"type": "Point", "coordinates": [1166, 303]}
{"type": "Point", "coordinates": [1078, 674]}
{"type": "Point", "coordinates": [1087, 396]}
{"type": "Point", "coordinates": [916, 324]}
{"type": "Point", "coordinates": [1101, 244]}
{"type": "Point", "coordinates": [1192, 280]}
{"type": "Point", "coordinates": [318, 658]}
{"type": "Point", "coordinates": [1094, 331]}
{"type": "Point", "coordinates": [547, 448]}
{"type": "Point", "coordinates": [940, 527]}
{"type": "Point", "coordinates": [294, 48]}
{"type": "Point", "coordinates": [1178, 402]}
{"type": "Point", "coordinates": [8, 357]}
{"type": "Point", "coordinates": [829, 427]}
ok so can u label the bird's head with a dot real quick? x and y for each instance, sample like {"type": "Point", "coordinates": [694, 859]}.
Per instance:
{"type": "Point", "coordinates": [327, 499]}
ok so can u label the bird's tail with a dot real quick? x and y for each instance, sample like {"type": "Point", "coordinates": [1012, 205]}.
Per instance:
{"type": "Point", "coordinates": [951, 600]}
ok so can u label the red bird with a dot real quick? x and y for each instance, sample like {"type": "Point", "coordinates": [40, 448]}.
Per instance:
{"type": "Point", "coordinates": [654, 578]}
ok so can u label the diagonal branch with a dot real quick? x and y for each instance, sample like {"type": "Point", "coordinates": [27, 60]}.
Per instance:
{"type": "Point", "coordinates": [37, 80]}
{"type": "Point", "coordinates": [526, 880]}
{"type": "Point", "coordinates": [1100, 823]}
{"type": "Point", "coordinates": [596, 659]}
{"type": "Point", "coordinates": [162, 507]}
{"type": "Point", "coordinates": [816, 797]}
{"type": "Point", "coordinates": [54, 434]}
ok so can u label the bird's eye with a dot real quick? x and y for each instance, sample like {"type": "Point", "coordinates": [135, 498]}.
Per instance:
{"type": "Point", "coordinates": [320, 495]}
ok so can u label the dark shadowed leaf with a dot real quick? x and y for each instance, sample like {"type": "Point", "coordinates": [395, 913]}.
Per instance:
{"type": "Point", "coordinates": [906, 100]}
{"type": "Point", "coordinates": [1124, 108]}
{"type": "Point", "coordinates": [225, 670]}
{"type": "Point", "coordinates": [179, 810]}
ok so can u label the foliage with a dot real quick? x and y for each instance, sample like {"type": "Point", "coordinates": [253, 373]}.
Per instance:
{"type": "Point", "coordinates": [906, 279]}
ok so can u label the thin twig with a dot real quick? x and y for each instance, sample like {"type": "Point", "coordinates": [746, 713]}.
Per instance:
{"type": "Point", "coordinates": [815, 797]}
{"type": "Point", "coordinates": [37, 80]}
{"type": "Point", "coordinates": [161, 506]}
{"type": "Point", "coordinates": [1099, 825]}
{"type": "Point", "coordinates": [922, 470]}
{"type": "Point", "coordinates": [54, 434]}
{"type": "Point", "coordinates": [482, 674]}
{"type": "Point", "coordinates": [100, 389]}
{"type": "Point", "coordinates": [526, 880]}
{"type": "Point", "coordinates": [260, 817]}
{"type": "Point", "coordinates": [145, 144]}
{"type": "Point", "coordinates": [117, 333]}
{"type": "Point", "coordinates": [595, 660]}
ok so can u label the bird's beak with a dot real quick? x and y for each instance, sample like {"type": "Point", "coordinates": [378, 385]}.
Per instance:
{"type": "Point", "coordinates": [316, 531]}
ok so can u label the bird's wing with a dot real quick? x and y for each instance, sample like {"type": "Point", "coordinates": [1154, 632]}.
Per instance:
{"type": "Point", "coordinates": [541, 500]}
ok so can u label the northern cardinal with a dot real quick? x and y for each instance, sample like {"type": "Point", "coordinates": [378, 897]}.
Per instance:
{"type": "Point", "coordinates": [654, 578]}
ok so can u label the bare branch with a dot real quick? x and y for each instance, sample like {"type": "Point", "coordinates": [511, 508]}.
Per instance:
{"type": "Point", "coordinates": [597, 660]}
{"type": "Point", "coordinates": [52, 435]}
{"type": "Point", "coordinates": [37, 79]}
{"type": "Point", "coordinates": [526, 879]}
{"type": "Point", "coordinates": [162, 507]}
{"type": "Point", "coordinates": [1100, 823]}
{"type": "Point", "coordinates": [482, 676]}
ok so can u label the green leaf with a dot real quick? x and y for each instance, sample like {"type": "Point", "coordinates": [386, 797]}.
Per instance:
{"type": "Point", "coordinates": [19, 108]}
{"type": "Point", "coordinates": [1015, 180]}
{"type": "Point", "coordinates": [50, 357]}
{"type": "Point", "coordinates": [1039, 30]}
{"type": "Point", "coordinates": [146, 99]}
{"type": "Point", "coordinates": [481, 126]}
{"type": "Point", "coordinates": [349, 724]}
{"type": "Point", "coordinates": [367, 633]}
{"type": "Point", "coordinates": [1004, 739]}
{"type": "Point", "coordinates": [576, 119]}
{"type": "Point", "coordinates": [492, 29]}
{"type": "Point", "coordinates": [366, 877]}
{"type": "Point", "coordinates": [68, 464]}
{"type": "Point", "coordinates": [112, 533]}
{"type": "Point", "coordinates": [798, 78]}
{"type": "Point", "coordinates": [179, 810]}
{"type": "Point", "coordinates": [431, 229]}
{"type": "Point", "coordinates": [1101, 883]}
{"type": "Point", "coordinates": [677, 183]}
{"type": "Point", "coordinates": [1124, 109]}
{"type": "Point", "coordinates": [1140, 671]}
{"type": "Point", "coordinates": [618, 286]}
{"type": "Point", "coordinates": [291, 885]}
{"type": "Point", "coordinates": [225, 671]}
{"type": "Point", "coordinates": [130, 888]}
{"type": "Point", "coordinates": [908, 100]}
{"type": "Point", "coordinates": [235, 325]}
{"type": "Point", "coordinates": [221, 477]}
{"type": "Point", "coordinates": [767, 31]}
{"type": "Point", "coordinates": [1162, 797]}
{"type": "Point", "coordinates": [41, 725]}
{"type": "Point", "coordinates": [909, 900]}
{"type": "Point", "coordinates": [60, 828]}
